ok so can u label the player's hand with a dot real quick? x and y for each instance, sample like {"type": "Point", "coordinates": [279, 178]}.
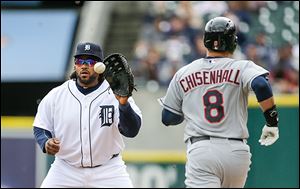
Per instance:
{"type": "Point", "coordinates": [269, 135]}
{"type": "Point", "coordinates": [122, 99]}
{"type": "Point", "coordinates": [52, 146]}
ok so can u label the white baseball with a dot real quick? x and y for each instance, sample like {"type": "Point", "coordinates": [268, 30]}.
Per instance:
{"type": "Point", "coordinates": [99, 67]}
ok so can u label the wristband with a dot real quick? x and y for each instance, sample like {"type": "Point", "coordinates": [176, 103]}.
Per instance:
{"type": "Point", "coordinates": [271, 116]}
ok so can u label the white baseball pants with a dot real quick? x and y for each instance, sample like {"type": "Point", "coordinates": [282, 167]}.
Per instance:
{"type": "Point", "coordinates": [110, 175]}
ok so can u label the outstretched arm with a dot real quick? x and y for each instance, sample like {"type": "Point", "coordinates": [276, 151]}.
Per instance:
{"type": "Point", "coordinates": [264, 95]}
{"type": "Point", "coordinates": [130, 122]}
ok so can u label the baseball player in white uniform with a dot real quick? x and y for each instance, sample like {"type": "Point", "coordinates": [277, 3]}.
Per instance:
{"type": "Point", "coordinates": [211, 94]}
{"type": "Point", "coordinates": [82, 122]}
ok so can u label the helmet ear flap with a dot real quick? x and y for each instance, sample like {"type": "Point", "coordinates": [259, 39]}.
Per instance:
{"type": "Point", "coordinates": [234, 44]}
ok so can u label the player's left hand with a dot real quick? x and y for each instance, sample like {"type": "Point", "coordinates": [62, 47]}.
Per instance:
{"type": "Point", "coordinates": [122, 99]}
{"type": "Point", "coordinates": [269, 135]}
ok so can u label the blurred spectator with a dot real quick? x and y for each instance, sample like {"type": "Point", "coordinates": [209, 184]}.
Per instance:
{"type": "Point", "coordinates": [210, 7]}
{"type": "Point", "coordinates": [242, 38]}
{"type": "Point", "coordinates": [240, 9]}
{"type": "Point", "coordinates": [147, 63]}
{"type": "Point", "coordinates": [265, 52]}
{"type": "Point", "coordinates": [179, 40]}
{"type": "Point", "coordinates": [261, 52]}
{"type": "Point", "coordinates": [176, 48]}
{"type": "Point", "coordinates": [153, 30]}
{"type": "Point", "coordinates": [199, 49]}
{"type": "Point", "coordinates": [186, 10]}
{"type": "Point", "coordinates": [284, 74]}
{"type": "Point", "coordinates": [254, 6]}
{"type": "Point", "coordinates": [251, 53]}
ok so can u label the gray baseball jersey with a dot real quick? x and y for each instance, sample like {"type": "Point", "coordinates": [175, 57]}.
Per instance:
{"type": "Point", "coordinates": [212, 95]}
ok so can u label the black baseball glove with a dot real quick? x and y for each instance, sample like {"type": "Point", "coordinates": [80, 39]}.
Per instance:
{"type": "Point", "coordinates": [119, 75]}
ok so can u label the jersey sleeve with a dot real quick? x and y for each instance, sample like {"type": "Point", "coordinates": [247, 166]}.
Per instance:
{"type": "Point", "coordinates": [173, 99]}
{"type": "Point", "coordinates": [251, 71]}
{"type": "Point", "coordinates": [43, 118]}
{"type": "Point", "coordinates": [135, 108]}
{"type": "Point", "coordinates": [130, 120]}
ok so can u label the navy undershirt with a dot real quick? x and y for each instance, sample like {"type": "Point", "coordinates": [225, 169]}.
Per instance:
{"type": "Point", "coordinates": [261, 88]}
{"type": "Point", "coordinates": [87, 90]}
{"type": "Point", "coordinates": [130, 122]}
{"type": "Point", "coordinates": [41, 136]}
{"type": "Point", "coordinates": [170, 118]}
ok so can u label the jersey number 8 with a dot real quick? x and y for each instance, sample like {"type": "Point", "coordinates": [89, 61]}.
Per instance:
{"type": "Point", "coordinates": [214, 111]}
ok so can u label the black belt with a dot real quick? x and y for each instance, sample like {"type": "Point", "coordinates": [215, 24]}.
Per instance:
{"type": "Point", "coordinates": [113, 156]}
{"type": "Point", "coordinates": [196, 139]}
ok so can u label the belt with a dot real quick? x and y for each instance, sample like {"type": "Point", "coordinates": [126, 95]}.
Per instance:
{"type": "Point", "coordinates": [199, 138]}
{"type": "Point", "coordinates": [113, 156]}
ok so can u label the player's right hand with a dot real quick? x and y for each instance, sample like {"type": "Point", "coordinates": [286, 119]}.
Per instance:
{"type": "Point", "coordinates": [269, 135]}
{"type": "Point", "coordinates": [52, 146]}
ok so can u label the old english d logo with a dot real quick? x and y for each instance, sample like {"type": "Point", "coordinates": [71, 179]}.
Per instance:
{"type": "Point", "coordinates": [106, 115]}
{"type": "Point", "coordinates": [87, 47]}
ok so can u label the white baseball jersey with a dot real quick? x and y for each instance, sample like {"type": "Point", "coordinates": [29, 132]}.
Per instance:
{"type": "Point", "coordinates": [86, 125]}
{"type": "Point", "coordinates": [212, 95]}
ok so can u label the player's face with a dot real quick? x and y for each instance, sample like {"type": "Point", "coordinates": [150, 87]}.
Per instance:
{"type": "Point", "coordinates": [84, 67]}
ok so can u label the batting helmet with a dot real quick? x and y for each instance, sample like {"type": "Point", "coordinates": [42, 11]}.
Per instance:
{"type": "Point", "coordinates": [220, 35]}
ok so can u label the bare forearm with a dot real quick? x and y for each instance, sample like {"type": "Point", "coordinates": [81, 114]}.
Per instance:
{"type": "Point", "coordinates": [267, 104]}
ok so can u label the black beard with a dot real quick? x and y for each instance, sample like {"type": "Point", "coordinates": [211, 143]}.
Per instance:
{"type": "Point", "coordinates": [87, 82]}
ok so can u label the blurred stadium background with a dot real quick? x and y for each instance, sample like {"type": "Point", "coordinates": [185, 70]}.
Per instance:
{"type": "Point", "coordinates": [38, 39]}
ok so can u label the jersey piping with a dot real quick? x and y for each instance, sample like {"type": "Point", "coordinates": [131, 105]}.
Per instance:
{"type": "Point", "coordinates": [91, 157]}
{"type": "Point", "coordinates": [90, 138]}
{"type": "Point", "coordinates": [79, 124]}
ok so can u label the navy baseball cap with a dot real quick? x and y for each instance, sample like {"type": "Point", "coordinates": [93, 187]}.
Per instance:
{"type": "Point", "coordinates": [88, 48]}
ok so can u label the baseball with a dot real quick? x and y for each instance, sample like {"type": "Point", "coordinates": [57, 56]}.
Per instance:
{"type": "Point", "coordinates": [99, 67]}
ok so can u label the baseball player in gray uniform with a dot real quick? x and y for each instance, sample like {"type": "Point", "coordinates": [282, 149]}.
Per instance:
{"type": "Point", "coordinates": [82, 122]}
{"type": "Point", "coordinates": [211, 94]}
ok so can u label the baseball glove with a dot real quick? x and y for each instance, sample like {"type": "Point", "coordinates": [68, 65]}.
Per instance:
{"type": "Point", "coordinates": [119, 75]}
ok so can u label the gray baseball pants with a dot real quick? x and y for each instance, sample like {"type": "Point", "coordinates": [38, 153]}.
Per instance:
{"type": "Point", "coordinates": [217, 163]}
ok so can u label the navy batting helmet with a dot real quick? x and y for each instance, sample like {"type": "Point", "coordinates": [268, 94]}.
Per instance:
{"type": "Point", "coordinates": [220, 35]}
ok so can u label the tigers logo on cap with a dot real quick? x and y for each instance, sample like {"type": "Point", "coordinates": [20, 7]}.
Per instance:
{"type": "Point", "coordinates": [87, 47]}
{"type": "Point", "coordinates": [90, 49]}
